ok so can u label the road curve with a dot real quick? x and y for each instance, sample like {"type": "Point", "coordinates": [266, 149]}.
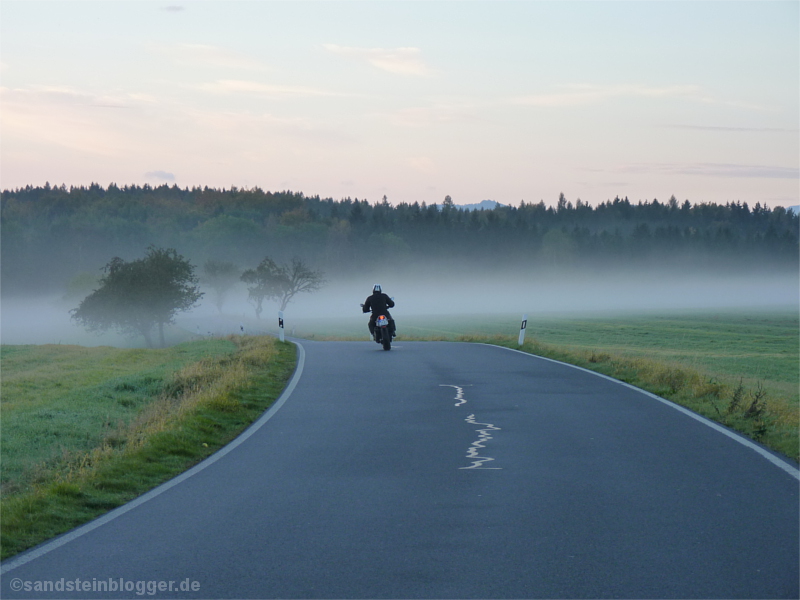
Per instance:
{"type": "Point", "coordinates": [443, 470]}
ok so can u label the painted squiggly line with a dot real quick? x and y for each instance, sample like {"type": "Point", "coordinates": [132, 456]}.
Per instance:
{"type": "Point", "coordinates": [483, 437]}
{"type": "Point", "coordinates": [483, 434]}
{"type": "Point", "coordinates": [459, 393]}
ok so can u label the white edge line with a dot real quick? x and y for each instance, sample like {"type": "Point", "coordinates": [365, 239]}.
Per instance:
{"type": "Point", "coordinates": [47, 547]}
{"type": "Point", "coordinates": [723, 430]}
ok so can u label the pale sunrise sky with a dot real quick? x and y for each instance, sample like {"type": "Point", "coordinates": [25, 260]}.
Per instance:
{"type": "Point", "coordinates": [499, 100]}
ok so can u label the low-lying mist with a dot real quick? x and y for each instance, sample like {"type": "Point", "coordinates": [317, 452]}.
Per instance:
{"type": "Point", "coordinates": [41, 320]}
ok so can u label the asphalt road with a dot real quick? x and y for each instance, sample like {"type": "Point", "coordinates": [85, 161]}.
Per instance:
{"type": "Point", "coordinates": [442, 470]}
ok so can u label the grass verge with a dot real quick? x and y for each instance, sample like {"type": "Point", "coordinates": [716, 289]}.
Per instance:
{"type": "Point", "coordinates": [62, 401]}
{"type": "Point", "coordinates": [192, 413]}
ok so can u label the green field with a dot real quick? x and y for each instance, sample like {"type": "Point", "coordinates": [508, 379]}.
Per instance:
{"type": "Point", "coordinates": [61, 401]}
{"type": "Point", "coordinates": [88, 429]}
{"type": "Point", "coordinates": [756, 347]}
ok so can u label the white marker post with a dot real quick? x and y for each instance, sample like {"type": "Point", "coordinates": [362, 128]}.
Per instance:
{"type": "Point", "coordinates": [522, 329]}
{"type": "Point", "coordinates": [280, 325]}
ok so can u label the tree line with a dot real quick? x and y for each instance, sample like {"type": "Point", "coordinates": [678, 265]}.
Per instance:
{"type": "Point", "coordinates": [50, 234]}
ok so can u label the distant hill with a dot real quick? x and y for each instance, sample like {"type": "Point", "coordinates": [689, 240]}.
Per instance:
{"type": "Point", "coordinates": [483, 205]}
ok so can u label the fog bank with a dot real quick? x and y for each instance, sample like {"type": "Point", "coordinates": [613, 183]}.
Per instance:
{"type": "Point", "coordinates": [46, 320]}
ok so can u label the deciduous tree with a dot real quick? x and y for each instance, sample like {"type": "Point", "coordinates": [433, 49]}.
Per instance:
{"type": "Point", "coordinates": [263, 282]}
{"type": "Point", "coordinates": [136, 296]}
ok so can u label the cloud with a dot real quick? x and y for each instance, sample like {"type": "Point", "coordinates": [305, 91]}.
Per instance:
{"type": "Point", "coordinates": [255, 129]}
{"type": "Point", "coordinates": [423, 164]}
{"type": "Point", "coordinates": [716, 170]}
{"type": "Point", "coordinates": [65, 96]}
{"type": "Point", "coordinates": [160, 175]}
{"type": "Point", "coordinates": [174, 8]}
{"type": "Point", "coordinates": [584, 94]}
{"type": "Point", "coordinates": [63, 117]}
{"type": "Point", "coordinates": [589, 94]}
{"type": "Point", "coordinates": [238, 86]}
{"type": "Point", "coordinates": [208, 56]}
{"type": "Point", "coordinates": [402, 61]}
{"type": "Point", "coordinates": [427, 116]}
{"type": "Point", "coordinates": [734, 129]}
{"type": "Point", "coordinates": [48, 119]}
{"type": "Point", "coordinates": [759, 171]}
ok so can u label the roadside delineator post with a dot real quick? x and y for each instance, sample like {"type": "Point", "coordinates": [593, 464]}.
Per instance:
{"type": "Point", "coordinates": [522, 329]}
{"type": "Point", "coordinates": [280, 325]}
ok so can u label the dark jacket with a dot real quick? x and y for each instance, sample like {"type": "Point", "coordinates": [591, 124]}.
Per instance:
{"type": "Point", "coordinates": [379, 303]}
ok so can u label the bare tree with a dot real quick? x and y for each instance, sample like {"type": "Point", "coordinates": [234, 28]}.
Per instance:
{"type": "Point", "coordinates": [299, 279]}
{"type": "Point", "coordinates": [280, 282]}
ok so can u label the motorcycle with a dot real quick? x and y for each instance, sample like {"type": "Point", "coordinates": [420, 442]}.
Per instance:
{"type": "Point", "coordinates": [383, 332]}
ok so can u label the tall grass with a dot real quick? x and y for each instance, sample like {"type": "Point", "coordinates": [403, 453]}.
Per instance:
{"type": "Point", "coordinates": [58, 402]}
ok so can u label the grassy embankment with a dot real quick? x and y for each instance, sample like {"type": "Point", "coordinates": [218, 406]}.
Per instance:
{"type": "Point", "coordinates": [739, 368]}
{"type": "Point", "coordinates": [87, 429]}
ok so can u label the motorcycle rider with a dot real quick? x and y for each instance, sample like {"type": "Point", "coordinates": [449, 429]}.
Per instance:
{"type": "Point", "coordinates": [379, 303]}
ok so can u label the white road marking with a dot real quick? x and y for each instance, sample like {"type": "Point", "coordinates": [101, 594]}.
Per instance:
{"type": "Point", "coordinates": [483, 434]}
{"type": "Point", "coordinates": [459, 393]}
{"type": "Point", "coordinates": [483, 437]}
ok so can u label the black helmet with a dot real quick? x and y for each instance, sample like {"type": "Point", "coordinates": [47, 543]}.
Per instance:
{"type": "Point", "coordinates": [376, 288]}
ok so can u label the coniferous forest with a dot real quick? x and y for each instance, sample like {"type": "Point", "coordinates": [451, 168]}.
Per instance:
{"type": "Point", "coordinates": [52, 234]}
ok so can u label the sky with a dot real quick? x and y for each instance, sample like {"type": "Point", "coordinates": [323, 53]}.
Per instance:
{"type": "Point", "coordinates": [501, 100]}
